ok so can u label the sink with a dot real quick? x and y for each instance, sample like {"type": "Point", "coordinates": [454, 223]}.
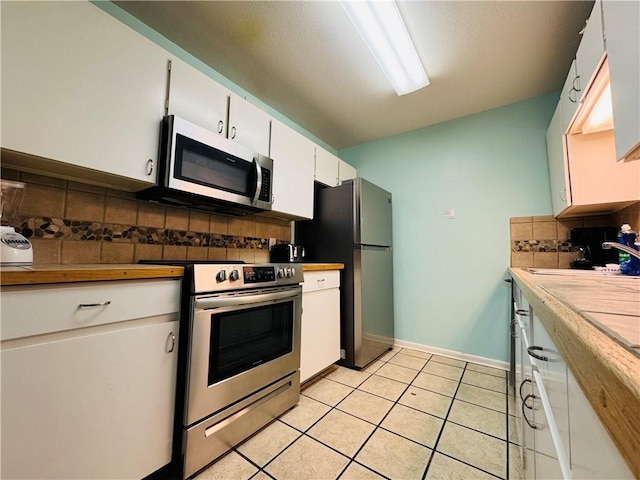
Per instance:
{"type": "Point", "coordinates": [576, 272]}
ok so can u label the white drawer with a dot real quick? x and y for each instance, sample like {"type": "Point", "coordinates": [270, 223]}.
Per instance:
{"type": "Point", "coordinates": [320, 280]}
{"type": "Point", "coordinates": [35, 310]}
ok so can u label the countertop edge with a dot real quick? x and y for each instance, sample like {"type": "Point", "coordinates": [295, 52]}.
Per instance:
{"type": "Point", "coordinates": [607, 372]}
{"type": "Point", "coordinates": [311, 267]}
{"type": "Point", "coordinates": [89, 273]}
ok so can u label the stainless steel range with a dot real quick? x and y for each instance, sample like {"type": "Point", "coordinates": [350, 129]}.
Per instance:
{"type": "Point", "coordinates": [241, 355]}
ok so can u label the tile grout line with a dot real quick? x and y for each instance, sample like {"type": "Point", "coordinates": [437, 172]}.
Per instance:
{"type": "Point", "coordinates": [444, 423]}
{"type": "Point", "coordinates": [377, 426]}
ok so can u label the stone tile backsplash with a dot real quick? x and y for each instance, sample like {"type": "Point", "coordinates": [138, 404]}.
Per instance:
{"type": "Point", "coordinates": [543, 242]}
{"type": "Point", "coordinates": [72, 223]}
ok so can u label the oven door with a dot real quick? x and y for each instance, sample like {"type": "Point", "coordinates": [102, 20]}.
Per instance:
{"type": "Point", "coordinates": [240, 343]}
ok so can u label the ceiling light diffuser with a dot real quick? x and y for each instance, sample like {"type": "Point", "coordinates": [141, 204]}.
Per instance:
{"type": "Point", "coordinates": [381, 27]}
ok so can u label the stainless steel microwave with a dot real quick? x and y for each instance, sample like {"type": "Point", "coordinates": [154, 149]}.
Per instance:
{"type": "Point", "coordinates": [200, 169]}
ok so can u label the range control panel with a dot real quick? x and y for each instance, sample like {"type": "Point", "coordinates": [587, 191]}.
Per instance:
{"type": "Point", "coordinates": [220, 277]}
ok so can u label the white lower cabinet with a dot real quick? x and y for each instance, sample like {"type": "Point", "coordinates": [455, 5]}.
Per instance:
{"type": "Point", "coordinates": [559, 433]}
{"type": "Point", "coordinates": [320, 339]}
{"type": "Point", "coordinates": [593, 453]}
{"type": "Point", "coordinates": [92, 402]}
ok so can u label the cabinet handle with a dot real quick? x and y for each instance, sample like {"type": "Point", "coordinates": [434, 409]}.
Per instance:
{"type": "Point", "coordinates": [526, 380]}
{"type": "Point", "coordinates": [532, 425]}
{"type": "Point", "coordinates": [233, 133]}
{"type": "Point", "coordinates": [524, 313]}
{"type": "Point", "coordinates": [508, 280]}
{"type": "Point", "coordinates": [544, 358]}
{"type": "Point", "coordinates": [576, 87]}
{"type": "Point", "coordinates": [220, 126]}
{"type": "Point", "coordinates": [171, 341]}
{"type": "Point", "coordinates": [149, 167]}
{"type": "Point", "coordinates": [321, 281]}
{"type": "Point", "coordinates": [93, 305]}
{"type": "Point", "coordinates": [563, 194]}
{"type": "Point", "coordinates": [573, 100]}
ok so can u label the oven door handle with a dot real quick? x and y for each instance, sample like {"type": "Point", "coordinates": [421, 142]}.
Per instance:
{"type": "Point", "coordinates": [216, 302]}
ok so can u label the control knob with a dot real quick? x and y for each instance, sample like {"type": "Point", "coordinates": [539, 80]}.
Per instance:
{"type": "Point", "coordinates": [234, 275]}
{"type": "Point", "coordinates": [280, 272]}
{"type": "Point", "coordinates": [221, 276]}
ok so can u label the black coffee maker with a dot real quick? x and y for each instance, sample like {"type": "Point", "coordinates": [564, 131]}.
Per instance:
{"type": "Point", "coordinates": [590, 239]}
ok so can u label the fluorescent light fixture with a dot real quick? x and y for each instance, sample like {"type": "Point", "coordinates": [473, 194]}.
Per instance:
{"type": "Point", "coordinates": [383, 30]}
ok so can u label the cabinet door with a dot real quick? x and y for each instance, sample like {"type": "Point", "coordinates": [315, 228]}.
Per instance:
{"type": "Point", "coordinates": [293, 162]}
{"type": "Point", "coordinates": [81, 88]}
{"type": "Point", "coordinates": [327, 168]}
{"type": "Point", "coordinates": [320, 339]}
{"type": "Point", "coordinates": [197, 98]}
{"type": "Point", "coordinates": [569, 97]}
{"type": "Point", "coordinates": [593, 453]}
{"type": "Point", "coordinates": [547, 464]}
{"type": "Point", "coordinates": [553, 373]}
{"type": "Point", "coordinates": [591, 49]}
{"type": "Point", "coordinates": [346, 171]}
{"type": "Point", "coordinates": [558, 168]}
{"type": "Point", "coordinates": [248, 125]}
{"type": "Point", "coordinates": [96, 404]}
{"type": "Point", "coordinates": [622, 32]}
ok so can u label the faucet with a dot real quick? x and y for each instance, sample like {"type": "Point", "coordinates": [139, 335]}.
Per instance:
{"type": "Point", "coordinates": [624, 248]}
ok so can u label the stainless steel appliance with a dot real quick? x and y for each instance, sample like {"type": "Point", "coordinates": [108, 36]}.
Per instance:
{"type": "Point", "coordinates": [352, 225]}
{"type": "Point", "coordinates": [287, 252]}
{"type": "Point", "coordinates": [239, 356]}
{"type": "Point", "coordinates": [200, 169]}
{"type": "Point", "coordinates": [14, 248]}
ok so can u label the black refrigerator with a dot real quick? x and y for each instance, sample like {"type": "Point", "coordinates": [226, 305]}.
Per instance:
{"type": "Point", "coordinates": [352, 225]}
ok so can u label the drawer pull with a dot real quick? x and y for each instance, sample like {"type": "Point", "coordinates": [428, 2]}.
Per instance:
{"type": "Point", "coordinates": [532, 425]}
{"type": "Point", "coordinates": [532, 349]}
{"type": "Point", "coordinates": [526, 380]}
{"type": "Point", "coordinates": [171, 341]}
{"type": "Point", "coordinates": [524, 313]}
{"type": "Point", "coordinates": [93, 305]}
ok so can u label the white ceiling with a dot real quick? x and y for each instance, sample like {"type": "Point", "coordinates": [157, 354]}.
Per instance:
{"type": "Point", "coordinates": [305, 60]}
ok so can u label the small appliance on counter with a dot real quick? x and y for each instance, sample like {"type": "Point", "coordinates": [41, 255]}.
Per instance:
{"type": "Point", "coordinates": [590, 239]}
{"type": "Point", "coordinates": [15, 249]}
{"type": "Point", "coordinates": [286, 252]}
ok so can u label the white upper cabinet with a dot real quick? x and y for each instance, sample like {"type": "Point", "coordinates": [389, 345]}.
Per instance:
{"type": "Point", "coordinates": [346, 171]}
{"type": "Point", "coordinates": [622, 32]}
{"type": "Point", "coordinates": [82, 89]}
{"type": "Point", "coordinates": [330, 170]}
{"type": "Point", "coordinates": [591, 49]}
{"type": "Point", "coordinates": [558, 174]}
{"type": "Point", "coordinates": [293, 166]}
{"type": "Point", "coordinates": [570, 97]}
{"type": "Point", "coordinates": [197, 98]}
{"type": "Point", "coordinates": [327, 169]}
{"type": "Point", "coordinates": [248, 125]}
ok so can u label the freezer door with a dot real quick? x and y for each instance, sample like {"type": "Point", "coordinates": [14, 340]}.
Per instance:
{"type": "Point", "coordinates": [373, 214]}
{"type": "Point", "coordinates": [373, 303]}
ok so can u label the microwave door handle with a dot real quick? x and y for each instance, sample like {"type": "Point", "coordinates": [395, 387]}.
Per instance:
{"type": "Point", "coordinates": [258, 181]}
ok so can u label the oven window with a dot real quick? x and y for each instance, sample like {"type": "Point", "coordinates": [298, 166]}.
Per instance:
{"type": "Point", "coordinates": [241, 340]}
{"type": "Point", "coordinates": [208, 166]}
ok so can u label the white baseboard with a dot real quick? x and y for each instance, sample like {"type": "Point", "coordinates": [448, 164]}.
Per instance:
{"type": "Point", "coordinates": [465, 357]}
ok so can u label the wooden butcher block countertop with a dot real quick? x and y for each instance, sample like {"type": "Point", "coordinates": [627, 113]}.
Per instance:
{"type": "Point", "coordinates": [41, 274]}
{"type": "Point", "coordinates": [311, 267]}
{"type": "Point", "coordinates": [594, 322]}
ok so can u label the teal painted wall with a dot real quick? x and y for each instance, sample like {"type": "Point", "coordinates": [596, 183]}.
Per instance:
{"type": "Point", "coordinates": [448, 273]}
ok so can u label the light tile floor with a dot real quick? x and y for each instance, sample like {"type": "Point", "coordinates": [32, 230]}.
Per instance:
{"type": "Point", "coordinates": [409, 415]}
